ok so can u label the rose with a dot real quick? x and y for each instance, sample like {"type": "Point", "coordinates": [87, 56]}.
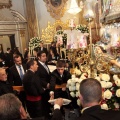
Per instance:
{"type": "Point", "coordinates": [107, 94]}
{"type": "Point", "coordinates": [77, 72]}
{"type": "Point", "coordinates": [103, 84]}
{"type": "Point", "coordinates": [73, 76]}
{"type": "Point", "coordinates": [72, 94]}
{"type": "Point", "coordinates": [116, 105]}
{"type": "Point", "coordinates": [105, 77]}
{"type": "Point", "coordinates": [70, 88]}
{"type": "Point", "coordinates": [78, 102]}
{"type": "Point", "coordinates": [108, 84]}
{"type": "Point", "coordinates": [77, 86]}
{"type": "Point", "coordinates": [118, 93]}
{"type": "Point", "coordinates": [72, 83]}
{"type": "Point", "coordinates": [115, 77]}
{"type": "Point", "coordinates": [97, 78]}
{"type": "Point", "coordinates": [69, 82]}
{"type": "Point", "coordinates": [77, 94]}
{"type": "Point", "coordinates": [104, 106]}
{"type": "Point", "coordinates": [117, 82]}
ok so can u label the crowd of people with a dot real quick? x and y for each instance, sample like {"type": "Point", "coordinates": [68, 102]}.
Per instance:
{"type": "Point", "coordinates": [40, 86]}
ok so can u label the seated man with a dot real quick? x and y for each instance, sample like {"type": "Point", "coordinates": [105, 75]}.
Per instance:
{"type": "Point", "coordinates": [90, 96]}
{"type": "Point", "coordinates": [5, 87]}
{"type": "Point", "coordinates": [59, 77]}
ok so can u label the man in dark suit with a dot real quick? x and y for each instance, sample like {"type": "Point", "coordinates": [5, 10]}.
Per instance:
{"type": "Point", "coordinates": [15, 75]}
{"type": "Point", "coordinates": [59, 77]}
{"type": "Point", "coordinates": [9, 57]}
{"type": "Point", "coordinates": [90, 96]}
{"type": "Point", "coordinates": [44, 75]}
{"type": "Point", "coordinates": [41, 48]}
{"type": "Point", "coordinates": [33, 88]}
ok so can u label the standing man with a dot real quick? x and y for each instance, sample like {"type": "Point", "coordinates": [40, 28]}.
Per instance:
{"type": "Point", "coordinates": [44, 75]}
{"type": "Point", "coordinates": [59, 77]}
{"type": "Point", "coordinates": [33, 88]}
{"type": "Point", "coordinates": [15, 75]}
{"type": "Point", "coordinates": [9, 58]}
{"type": "Point", "coordinates": [41, 48]}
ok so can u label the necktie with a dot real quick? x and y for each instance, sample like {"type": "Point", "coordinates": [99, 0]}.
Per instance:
{"type": "Point", "coordinates": [46, 68]}
{"type": "Point", "coordinates": [21, 72]}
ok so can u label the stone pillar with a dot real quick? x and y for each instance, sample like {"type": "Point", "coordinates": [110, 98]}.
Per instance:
{"type": "Point", "coordinates": [31, 19]}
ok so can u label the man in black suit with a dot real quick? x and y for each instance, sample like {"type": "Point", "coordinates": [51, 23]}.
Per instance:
{"type": "Point", "coordinates": [41, 48]}
{"type": "Point", "coordinates": [59, 77]}
{"type": "Point", "coordinates": [15, 75]}
{"type": "Point", "coordinates": [44, 75]}
{"type": "Point", "coordinates": [33, 88]}
{"type": "Point", "coordinates": [90, 96]}
{"type": "Point", "coordinates": [9, 58]}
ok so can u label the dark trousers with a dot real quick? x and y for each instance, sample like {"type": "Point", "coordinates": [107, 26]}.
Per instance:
{"type": "Point", "coordinates": [34, 108]}
{"type": "Point", "coordinates": [22, 98]}
{"type": "Point", "coordinates": [46, 104]}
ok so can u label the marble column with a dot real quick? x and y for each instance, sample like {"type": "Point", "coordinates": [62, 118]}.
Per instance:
{"type": "Point", "coordinates": [31, 19]}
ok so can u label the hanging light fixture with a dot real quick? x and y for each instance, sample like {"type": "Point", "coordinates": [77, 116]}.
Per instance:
{"type": "Point", "coordinates": [74, 9]}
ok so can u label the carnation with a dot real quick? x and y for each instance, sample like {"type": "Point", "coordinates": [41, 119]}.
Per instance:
{"type": "Point", "coordinates": [107, 94]}
{"type": "Point", "coordinates": [118, 93]}
{"type": "Point", "coordinates": [104, 106]}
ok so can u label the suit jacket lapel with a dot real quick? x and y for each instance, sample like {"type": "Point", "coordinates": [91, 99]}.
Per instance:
{"type": "Point", "coordinates": [44, 68]}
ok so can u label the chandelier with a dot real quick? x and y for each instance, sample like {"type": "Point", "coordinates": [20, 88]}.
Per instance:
{"type": "Point", "coordinates": [74, 8]}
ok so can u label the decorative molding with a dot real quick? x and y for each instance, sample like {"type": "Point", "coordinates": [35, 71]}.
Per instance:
{"type": "Point", "coordinates": [56, 7]}
{"type": "Point", "coordinates": [5, 4]}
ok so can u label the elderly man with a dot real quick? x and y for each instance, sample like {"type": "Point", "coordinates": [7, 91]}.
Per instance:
{"type": "Point", "coordinates": [90, 96]}
{"type": "Point", "coordinates": [5, 87]}
{"type": "Point", "coordinates": [11, 108]}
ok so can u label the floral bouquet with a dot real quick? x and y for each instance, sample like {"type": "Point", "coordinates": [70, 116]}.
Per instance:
{"type": "Point", "coordinates": [82, 28]}
{"type": "Point", "coordinates": [111, 89]}
{"type": "Point", "coordinates": [33, 43]}
{"type": "Point", "coordinates": [74, 83]}
{"type": "Point", "coordinates": [111, 92]}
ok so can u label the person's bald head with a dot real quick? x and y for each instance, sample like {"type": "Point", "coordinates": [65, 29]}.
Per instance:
{"type": "Point", "coordinates": [3, 75]}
